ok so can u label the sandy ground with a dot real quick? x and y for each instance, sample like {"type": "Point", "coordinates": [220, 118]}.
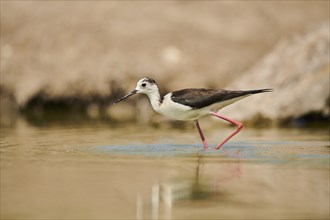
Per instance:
{"type": "Point", "coordinates": [92, 51]}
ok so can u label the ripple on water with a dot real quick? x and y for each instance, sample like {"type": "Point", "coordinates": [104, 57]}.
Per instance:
{"type": "Point", "coordinates": [269, 151]}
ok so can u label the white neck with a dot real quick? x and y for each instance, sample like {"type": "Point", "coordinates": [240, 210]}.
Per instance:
{"type": "Point", "coordinates": [155, 100]}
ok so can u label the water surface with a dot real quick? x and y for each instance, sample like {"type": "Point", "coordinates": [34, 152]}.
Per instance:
{"type": "Point", "coordinates": [101, 171]}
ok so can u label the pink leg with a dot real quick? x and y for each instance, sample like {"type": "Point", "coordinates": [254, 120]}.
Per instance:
{"type": "Point", "coordinates": [238, 124]}
{"type": "Point", "coordinates": [201, 134]}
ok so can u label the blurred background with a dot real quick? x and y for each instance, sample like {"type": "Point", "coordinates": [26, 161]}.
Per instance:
{"type": "Point", "coordinates": [69, 60]}
{"type": "Point", "coordinates": [67, 153]}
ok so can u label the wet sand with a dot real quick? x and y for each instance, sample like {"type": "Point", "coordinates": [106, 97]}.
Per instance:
{"type": "Point", "coordinates": [98, 171]}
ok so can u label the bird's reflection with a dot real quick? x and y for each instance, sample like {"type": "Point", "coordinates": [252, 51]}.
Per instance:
{"type": "Point", "coordinates": [206, 184]}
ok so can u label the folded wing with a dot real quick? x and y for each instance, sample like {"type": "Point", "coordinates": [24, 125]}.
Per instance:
{"type": "Point", "coordinates": [199, 98]}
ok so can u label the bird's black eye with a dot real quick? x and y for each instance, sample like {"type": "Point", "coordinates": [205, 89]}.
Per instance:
{"type": "Point", "coordinates": [143, 84]}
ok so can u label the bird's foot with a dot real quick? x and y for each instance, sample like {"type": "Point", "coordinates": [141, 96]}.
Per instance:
{"type": "Point", "coordinates": [238, 128]}
{"type": "Point", "coordinates": [205, 145]}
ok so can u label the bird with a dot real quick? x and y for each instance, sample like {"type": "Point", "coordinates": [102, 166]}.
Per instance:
{"type": "Point", "coordinates": [191, 104]}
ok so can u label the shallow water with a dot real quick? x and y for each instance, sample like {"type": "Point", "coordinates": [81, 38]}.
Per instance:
{"type": "Point", "coordinates": [101, 171]}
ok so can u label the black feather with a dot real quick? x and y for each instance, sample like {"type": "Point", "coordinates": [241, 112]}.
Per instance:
{"type": "Point", "coordinates": [199, 98]}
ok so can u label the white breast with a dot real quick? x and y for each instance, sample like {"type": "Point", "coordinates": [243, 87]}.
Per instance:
{"type": "Point", "coordinates": [185, 113]}
{"type": "Point", "coordinates": [178, 111]}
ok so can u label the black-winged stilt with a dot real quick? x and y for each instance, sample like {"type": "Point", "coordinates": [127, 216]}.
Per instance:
{"type": "Point", "coordinates": [192, 104]}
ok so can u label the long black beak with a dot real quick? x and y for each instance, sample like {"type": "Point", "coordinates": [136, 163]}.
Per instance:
{"type": "Point", "coordinates": [126, 96]}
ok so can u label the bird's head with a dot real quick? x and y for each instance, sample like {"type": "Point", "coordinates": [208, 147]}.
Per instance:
{"type": "Point", "coordinates": [144, 85]}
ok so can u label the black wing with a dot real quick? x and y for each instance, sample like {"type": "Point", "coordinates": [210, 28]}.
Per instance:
{"type": "Point", "coordinates": [199, 98]}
